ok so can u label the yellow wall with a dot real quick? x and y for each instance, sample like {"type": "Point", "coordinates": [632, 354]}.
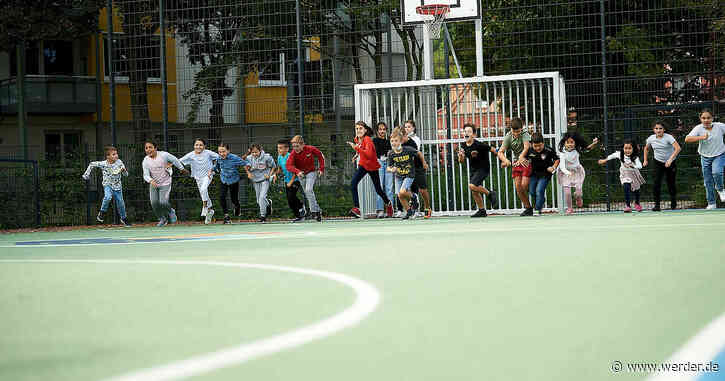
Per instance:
{"type": "Point", "coordinates": [264, 104]}
{"type": "Point", "coordinates": [123, 99]}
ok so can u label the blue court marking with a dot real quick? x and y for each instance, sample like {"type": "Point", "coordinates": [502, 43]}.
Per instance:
{"type": "Point", "coordinates": [720, 374]}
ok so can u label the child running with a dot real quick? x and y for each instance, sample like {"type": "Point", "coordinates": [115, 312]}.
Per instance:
{"type": "Point", "coordinates": [202, 164]}
{"type": "Point", "coordinates": [228, 166]}
{"type": "Point", "coordinates": [544, 163]}
{"type": "Point", "coordinates": [479, 163]}
{"type": "Point", "coordinates": [368, 165]}
{"type": "Point", "coordinates": [291, 183]}
{"type": "Point", "coordinates": [709, 136]}
{"type": "Point", "coordinates": [301, 162]}
{"type": "Point", "coordinates": [260, 170]}
{"type": "Point", "coordinates": [382, 146]}
{"type": "Point", "coordinates": [571, 173]}
{"type": "Point", "coordinates": [401, 162]}
{"type": "Point", "coordinates": [519, 142]}
{"type": "Point", "coordinates": [112, 169]}
{"type": "Point", "coordinates": [159, 178]}
{"type": "Point", "coordinates": [420, 185]}
{"type": "Point", "coordinates": [629, 173]}
{"type": "Point", "coordinates": [666, 150]}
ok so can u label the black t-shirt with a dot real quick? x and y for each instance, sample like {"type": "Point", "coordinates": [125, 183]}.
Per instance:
{"type": "Point", "coordinates": [411, 143]}
{"type": "Point", "coordinates": [382, 146]}
{"type": "Point", "coordinates": [403, 160]}
{"type": "Point", "coordinates": [540, 161]}
{"type": "Point", "coordinates": [477, 154]}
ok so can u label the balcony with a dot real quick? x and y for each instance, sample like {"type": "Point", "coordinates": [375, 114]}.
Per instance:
{"type": "Point", "coordinates": [50, 95]}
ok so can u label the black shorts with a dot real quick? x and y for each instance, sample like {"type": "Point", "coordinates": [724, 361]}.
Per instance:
{"type": "Point", "coordinates": [477, 176]}
{"type": "Point", "coordinates": [419, 182]}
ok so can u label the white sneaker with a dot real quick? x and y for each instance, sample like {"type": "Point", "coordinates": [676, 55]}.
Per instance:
{"type": "Point", "coordinates": [399, 214]}
{"type": "Point", "coordinates": [711, 207]}
{"type": "Point", "coordinates": [722, 195]}
{"type": "Point", "coordinates": [209, 215]}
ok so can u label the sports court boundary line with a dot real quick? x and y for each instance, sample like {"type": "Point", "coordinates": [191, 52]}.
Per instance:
{"type": "Point", "coordinates": [427, 229]}
{"type": "Point", "coordinates": [366, 301]}
{"type": "Point", "coordinates": [704, 347]}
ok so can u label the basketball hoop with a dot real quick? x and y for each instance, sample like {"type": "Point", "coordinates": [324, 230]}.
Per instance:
{"type": "Point", "coordinates": [436, 14]}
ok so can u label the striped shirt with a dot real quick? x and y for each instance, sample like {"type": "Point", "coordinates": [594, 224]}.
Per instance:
{"type": "Point", "coordinates": [200, 163]}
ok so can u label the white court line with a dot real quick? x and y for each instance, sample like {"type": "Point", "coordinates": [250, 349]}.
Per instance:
{"type": "Point", "coordinates": [410, 230]}
{"type": "Point", "coordinates": [366, 301]}
{"type": "Point", "coordinates": [702, 348]}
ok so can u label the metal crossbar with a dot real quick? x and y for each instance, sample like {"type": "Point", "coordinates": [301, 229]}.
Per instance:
{"type": "Point", "coordinates": [440, 108]}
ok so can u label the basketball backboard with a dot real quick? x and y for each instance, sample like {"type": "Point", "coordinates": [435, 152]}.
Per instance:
{"type": "Point", "coordinates": [461, 10]}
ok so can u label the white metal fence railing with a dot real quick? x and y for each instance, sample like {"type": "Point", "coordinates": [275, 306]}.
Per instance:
{"type": "Point", "coordinates": [440, 108]}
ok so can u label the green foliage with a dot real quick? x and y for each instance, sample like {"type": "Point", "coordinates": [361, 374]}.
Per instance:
{"type": "Point", "coordinates": [36, 20]}
{"type": "Point", "coordinates": [638, 49]}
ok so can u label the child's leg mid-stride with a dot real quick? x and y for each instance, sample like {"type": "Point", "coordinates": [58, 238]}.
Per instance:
{"type": "Point", "coordinates": [712, 172]}
{"type": "Point", "coordinates": [308, 183]}
{"type": "Point", "coordinates": [107, 196]}
{"type": "Point", "coordinates": [261, 188]}
{"type": "Point", "coordinates": [537, 190]}
{"type": "Point", "coordinates": [120, 204]}
{"type": "Point", "coordinates": [404, 194]}
{"type": "Point", "coordinates": [203, 185]}
{"type": "Point", "coordinates": [159, 197]}
{"type": "Point", "coordinates": [567, 200]}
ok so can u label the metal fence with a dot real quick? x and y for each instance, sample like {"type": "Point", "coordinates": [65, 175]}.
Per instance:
{"type": "Point", "coordinates": [258, 71]}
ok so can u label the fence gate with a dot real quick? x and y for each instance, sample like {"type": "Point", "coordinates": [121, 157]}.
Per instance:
{"type": "Point", "coordinates": [440, 108]}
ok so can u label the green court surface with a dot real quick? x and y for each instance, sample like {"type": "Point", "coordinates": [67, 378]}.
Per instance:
{"type": "Point", "coordinates": [502, 298]}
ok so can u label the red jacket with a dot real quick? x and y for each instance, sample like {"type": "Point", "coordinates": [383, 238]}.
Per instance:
{"type": "Point", "coordinates": [368, 157]}
{"type": "Point", "coordinates": [304, 161]}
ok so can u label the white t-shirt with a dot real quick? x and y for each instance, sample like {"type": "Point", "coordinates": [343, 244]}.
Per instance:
{"type": "Point", "coordinates": [200, 163]}
{"type": "Point", "coordinates": [713, 145]}
{"type": "Point", "coordinates": [663, 147]}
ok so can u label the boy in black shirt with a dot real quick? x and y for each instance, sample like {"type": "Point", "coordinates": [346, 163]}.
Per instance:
{"type": "Point", "coordinates": [401, 162]}
{"type": "Point", "coordinates": [420, 184]}
{"type": "Point", "coordinates": [544, 162]}
{"type": "Point", "coordinates": [478, 161]}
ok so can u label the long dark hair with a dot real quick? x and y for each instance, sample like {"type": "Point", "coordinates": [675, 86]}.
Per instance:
{"type": "Point", "coordinates": [368, 129]}
{"type": "Point", "coordinates": [567, 136]}
{"type": "Point", "coordinates": [635, 150]}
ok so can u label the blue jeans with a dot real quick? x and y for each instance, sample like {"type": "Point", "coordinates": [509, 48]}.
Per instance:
{"type": "Point", "coordinates": [109, 193]}
{"type": "Point", "coordinates": [712, 171]}
{"type": "Point", "coordinates": [386, 179]}
{"type": "Point", "coordinates": [537, 189]}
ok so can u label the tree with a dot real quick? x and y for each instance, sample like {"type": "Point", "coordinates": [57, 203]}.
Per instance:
{"type": "Point", "coordinates": [37, 20]}
{"type": "Point", "coordinates": [224, 35]}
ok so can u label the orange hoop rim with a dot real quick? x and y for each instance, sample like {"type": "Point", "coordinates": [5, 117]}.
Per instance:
{"type": "Point", "coordinates": [433, 9]}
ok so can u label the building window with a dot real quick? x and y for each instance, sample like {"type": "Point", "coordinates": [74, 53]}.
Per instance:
{"type": "Point", "coordinates": [32, 60]}
{"type": "Point", "coordinates": [58, 57]}
{"type": "Point", "coordinates": [147, 49]}
{"type": "Point", "coordinates": [272, 73]}
{"type": "Point", "coordinates": [61, 146]}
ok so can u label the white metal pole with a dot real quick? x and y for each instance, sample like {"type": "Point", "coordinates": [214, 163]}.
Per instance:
{"type": "Point", "coordinates": [479, 48]}
{"type": "Point", "coordinates": [427, 54]}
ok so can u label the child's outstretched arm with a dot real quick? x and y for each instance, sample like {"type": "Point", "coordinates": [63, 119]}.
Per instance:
{"type": "Point", "coordinates": [612, 156]}
{"type": "Point", "coordinates": [87, 174]}
{"type": "Point", "coordinates": [645, 154]}
{"type": "Point", "coordinates": [124, 170]}
{"type": "Point", "coordinates": [176, 162]}
{"type": "Point", "coordinates": [562, 167]}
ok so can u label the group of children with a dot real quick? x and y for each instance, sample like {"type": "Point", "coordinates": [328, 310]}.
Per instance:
{"type": "Point", "coordinates": [397, 169]}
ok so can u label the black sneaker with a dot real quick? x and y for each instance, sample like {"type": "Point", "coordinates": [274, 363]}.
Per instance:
{"type": "Point", "coordinates": [262, 219]}
{"type": "Point", "coordinates": [299, 219]}
{"type": "Point", "coordinates": [527, 212]}
{"type": "Point", "coordinates": [409, 214]}
{"type": "Point", "coordinates": [125, 223]}
{"type": "Point", "coordinates": [479, 213]}
{"type": "Point", "coordinates": [227, 220]}
{"type": "Point", "coordinates": [318, 216]}
{"type": "Point", "coordinates": [656, 208]}
{"type": "Point", "coordinates": [269, 207]}
{"type": "Point", "coordinates": [493, 197]}
{"type": "Point", "coordinates": [101, 216]}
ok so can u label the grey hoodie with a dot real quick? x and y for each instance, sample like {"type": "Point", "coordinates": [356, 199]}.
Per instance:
{"type": "Point", "coordinates": [261, 166]}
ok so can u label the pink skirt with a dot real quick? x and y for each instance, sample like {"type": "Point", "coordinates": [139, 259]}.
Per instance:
{"type": "Point", "coordinates": [632, 176]}
{"type": "Point", "coordinates": [575, 179]}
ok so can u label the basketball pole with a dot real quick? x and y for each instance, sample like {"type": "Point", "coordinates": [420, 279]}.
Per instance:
{"type": "Point", "coordinates": [479, 48]}
{"type": "Point", "coordinates": [427, 54]}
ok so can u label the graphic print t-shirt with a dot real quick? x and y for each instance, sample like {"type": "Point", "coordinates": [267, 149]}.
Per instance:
{"type": "Point", "coordinates": [404, 161]}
